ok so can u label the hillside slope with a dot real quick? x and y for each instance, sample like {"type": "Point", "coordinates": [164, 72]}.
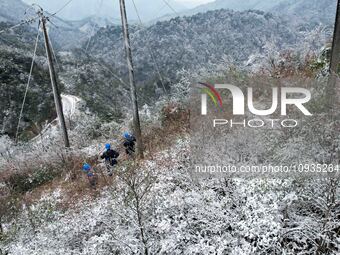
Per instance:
{"type": "Point", "coordinates": [311, 11]}
{"type": "Point", "coordinates": [202, 40]}
{"type": "Point", "coordinates": [297, 10]}
{"type": "Point", "coordinates": [164, 208]}
{"type": "Point", "coordinates": [263, 5]}
{"type": "Point", "coordinates": [12, 10]}
{"type": "Point", "coordinates": [15, 61]}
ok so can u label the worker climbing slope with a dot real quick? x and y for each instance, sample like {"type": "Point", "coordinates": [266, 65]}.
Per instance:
{"type": "Point", "coordinates": [91, 176]}
{"type": "Point", "coordinates": [110, 157]}
{"type": "Point", "coordinates": [129, 143]}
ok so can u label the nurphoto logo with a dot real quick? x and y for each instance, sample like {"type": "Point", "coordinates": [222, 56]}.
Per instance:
{"type": "Point", "coordinates": [283, 97]}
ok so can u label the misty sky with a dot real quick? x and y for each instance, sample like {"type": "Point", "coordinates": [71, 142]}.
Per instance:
{"type": "Point", "coordinates": [79, 9]}
{"type": "Point", "coordinates": [194, 2]}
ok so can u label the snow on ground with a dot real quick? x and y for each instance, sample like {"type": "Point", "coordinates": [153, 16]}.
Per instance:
{"type": "Point", "coordinates": [177, 214]}
{"type": "Point", "coordinates": [69, 104]}
{"type": "Point", "coordinates": [51, 130]}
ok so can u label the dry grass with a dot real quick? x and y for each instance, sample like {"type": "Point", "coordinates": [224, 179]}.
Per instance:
{"type": "Point", "coordinates": [64, 171]}
{"type": "Point", "coordinates": [175, 122]}
{"type": "Point", "coordinates": [291, 64]}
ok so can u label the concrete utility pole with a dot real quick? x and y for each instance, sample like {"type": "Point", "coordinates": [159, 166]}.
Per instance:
{"type": "Point", "coordinates": [334, 67]}
{"type": "Point", "coordinates": [56, 94]}
{"type": "Point", "coordinates": [136, 122]}
{"type": "Point", "coordinates": [335, 54]}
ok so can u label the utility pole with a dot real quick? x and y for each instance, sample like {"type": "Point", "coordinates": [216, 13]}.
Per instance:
{"type": "Point", "coordinates": [334, 66]}
{"type": "Point", "coordinates": [56, 94]}
{"type": "Point", "coordinates": [136, 121]}
{"type": "Point", "coordinates": [335, 55]}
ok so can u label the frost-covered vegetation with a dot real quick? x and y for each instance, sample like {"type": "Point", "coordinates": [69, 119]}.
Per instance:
{"type": "Point", "coordinates": [93, 67]}
{"type": "Point", "coordinates": [158, 205]}
{"type": "Point", "coordinates": [201, 40]}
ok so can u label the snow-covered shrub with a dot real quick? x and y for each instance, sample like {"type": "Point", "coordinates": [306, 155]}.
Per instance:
{"type": "Point", "coordinates": [311, 224]}
{"type": "Point", "coordinates": [179, 213]}
{"type": "Point", "coordinates": [23, 181]}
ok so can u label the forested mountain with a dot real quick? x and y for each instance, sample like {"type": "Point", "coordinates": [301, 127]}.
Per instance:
{"type": "Point", "coordinates": [79, 75]}
{"type": "Point", "coordinates": [254, 185]}
{"type": "Point", "coordinates": [63, 32]}
{"type": "Point", "coordinates": [15, 60]}
{"type": "Point", "coordinates": [198, 41]}
{"type": "Point", "coordinates": [236, 5]}
{"type": "Point", "coordinates": [201, 41]}
{"type": "Point", "coordinates": [297, 10]}
{"type": "Point", "coordinates": [12, 10]}
{"type": "Point", "coordinates": [310, 11]}
{"type": "Point", "coordinates": [16, 46]}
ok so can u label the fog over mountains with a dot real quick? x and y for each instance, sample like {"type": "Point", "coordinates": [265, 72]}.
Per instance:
{"type": "Point", "coordinates": [80, 9]}
{"type": "Point", "coordinates": [308, 10]}
{"type": "Point", "coordinates": [160, 204]}
{"type": "Point", "coordinates": [104, 12]}
{"type": "Point", "coordinates": [237, 5]}
{"type": "Point", "coordinates": [207, 38]}
{"type": "Point", "coordinates": [12, 10]}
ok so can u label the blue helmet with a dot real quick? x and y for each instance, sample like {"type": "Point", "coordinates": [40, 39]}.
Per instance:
{"type": "Point", "coordinates": [86, 167]}
{"type": "Point", "coordinates": [126, 135]}
{"type": "Point", "coordinates": [107, 146]}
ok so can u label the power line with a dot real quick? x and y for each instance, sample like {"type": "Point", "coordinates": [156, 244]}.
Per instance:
{"type": "Point", "coordinates": [133, 94]}
{"type": "Point", "coordinates": [99, 62]}
{"type": "Point", "coordinates": [28, 84]}
{"type": "Point", "coordinates": [62, 8]}
{"type": "Point", "coordinates": [54, 56]}
{"type": "Point", "coordinates": [89, 37]}
{"type": "Point", "coordinates": [86, 51]}
{"type": "Point", "coordinates": [20, 24]}
{"type": "Point", "coordinates": [158, 10]}
{"type": "Point", "coordinates": [87, 54]}
{"type": "Point", "coordinates": [54, 82]}
{"type": "Point", "coordinates": [198, 37]}
{"type": "Point", "coordinates": [93, 25]}
{"type": "Point", "coordinates": [167, 3]}
{"type": "Point", "coordinates": [149, 49]}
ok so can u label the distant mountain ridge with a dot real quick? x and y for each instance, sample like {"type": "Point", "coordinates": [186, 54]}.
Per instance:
{"type": "Point", "coordinates": [317, 11]}
{"type": "Point", "coordinates": [64, 33]}
{"type": "Point", "coordinates": [312, 11]}
{"type": "Point", "coordinates": [80, 9]}
{"type": "Point", "coordinates": [205, 39]}
{"type": "Point", "coordinates": [237, 5]}
{"type": "Point", "coordinates": [15, 60]}
{"type": "Point", "coordinates": [12, 10]}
